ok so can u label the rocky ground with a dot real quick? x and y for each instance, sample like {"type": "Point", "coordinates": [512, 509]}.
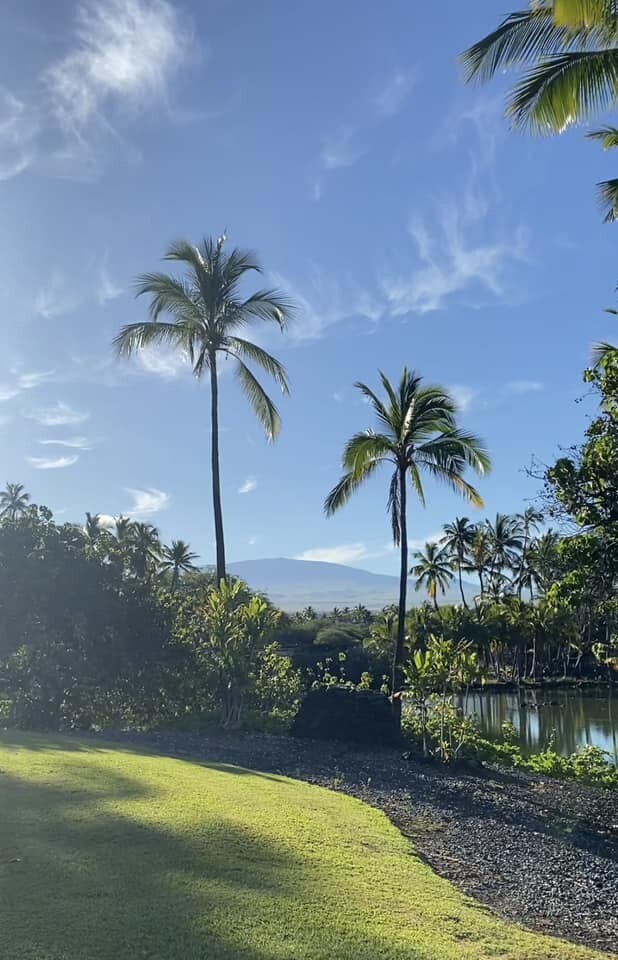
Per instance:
{"type": "Point", "coordinates": [538, 851]}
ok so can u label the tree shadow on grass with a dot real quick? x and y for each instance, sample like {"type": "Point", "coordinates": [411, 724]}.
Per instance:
{"type": "Point", "coordinates": [84, 876]}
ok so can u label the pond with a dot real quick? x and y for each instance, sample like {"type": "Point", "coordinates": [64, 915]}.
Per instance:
{"type": "Point", "coordinates": [573, 717]}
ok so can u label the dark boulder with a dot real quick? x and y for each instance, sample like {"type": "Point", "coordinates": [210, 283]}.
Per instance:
{"type": "Point", "coordinates": [355, 716]}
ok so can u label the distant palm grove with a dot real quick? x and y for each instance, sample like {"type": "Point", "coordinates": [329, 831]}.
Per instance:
{"type": "Point", "coordinates": [106, 624]}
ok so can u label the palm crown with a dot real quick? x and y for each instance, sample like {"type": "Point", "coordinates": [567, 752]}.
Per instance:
{"type": "Point", "coordinates": [569, 52]}
{"type": "Point", "coordinates": [433, 570]}
{"type": "Point", "coordinates": [209, 315]}
{"type": "Point", "coordinates": [14, 501]}
{"type": "Point", "coordinates": [418, 435]}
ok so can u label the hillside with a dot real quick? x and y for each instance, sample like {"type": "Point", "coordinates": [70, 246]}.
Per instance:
{"type": "Point", "coordinates": [294, 584]}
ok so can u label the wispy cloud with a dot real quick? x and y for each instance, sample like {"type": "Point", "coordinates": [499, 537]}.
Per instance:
{"type": "Point", "coordinates": [343, 553]}
{"type": "Point", "coordinates": [345, 146]}
{"type": "Point", "coordinates": [325, 302]}
{"type": "Point", "coordinates": [248, 486]}
{"type": "Point", "coordinates": [146, 502]}
{"type": "Point", "coordinates": [419, 542]}
{"type": "Point", "coordinates": [453, 257]}
{"type": "Point", "coordinates": [106, 289]}
{"type": "Point", "coordinates": [122, 54]}
{"type": "Point", "coordinates": [523, 386]}
{"type": "Point", "coordinates": [52, 463]}
{"type": "Point", "coordinates": [163, 362]}
{"type": "Point", "coordinates": [56, 298]}
{"type": "Point", "coordinates": [60, 415]}
{"type": "Point", "coordinates": [391, 98]}
{"type": "Point", "coordinates": [73, 443]}
{"type": "Point", "coordinates": [464, 396]}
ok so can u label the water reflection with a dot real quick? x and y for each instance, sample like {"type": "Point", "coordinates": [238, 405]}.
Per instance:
{"type": "Point", "coordinates": [574, 717]}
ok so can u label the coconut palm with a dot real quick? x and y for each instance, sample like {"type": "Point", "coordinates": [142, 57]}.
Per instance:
{"type": "Point", "coordinates": [506, 540]}
{"type": "Point", "coordinates": [145, 547]}
{"type": "Point", "coordinates": [529, 522]}
{"type": "Point", "coordinates": [568, 50]}
{"type": "Point", "coordinates": [433, 570]}
{"type": "Point", "coordinates": [418, 435]}
{"type": "Point", "coordinates": [480, 555]}
{"type": "Point", "coordinates": [543, 561]}
{"type": "Point", "coordinates": [457, 540]}
{"type": "Point", "coordinates": [14, 501]}
{"type": "Point", "coordinates": [208, 317]}
{"type": "Point", "coordinates": [122, 527]}
{"type": "Point", "coordinates": [178, 559]}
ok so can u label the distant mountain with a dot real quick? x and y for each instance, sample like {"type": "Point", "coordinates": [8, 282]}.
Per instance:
{"type": "Point", "coordinates": [294, 584]}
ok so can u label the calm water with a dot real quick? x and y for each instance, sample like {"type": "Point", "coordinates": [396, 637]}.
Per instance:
{"type": "Point", "coordinates": [576, 718]}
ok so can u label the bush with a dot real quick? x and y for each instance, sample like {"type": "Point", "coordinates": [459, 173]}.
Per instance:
{"type": "Point", "coordinates": [339, 713]}
{"type": "Point", "coordinates": [339, 637]}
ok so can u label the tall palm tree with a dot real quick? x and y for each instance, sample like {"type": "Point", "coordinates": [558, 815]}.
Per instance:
{"type": "Point", "coordinates": [92, 526]}
{"type": "Point", "coordinates": [177, 558]}
{"type": "Point", "coordinates": [14, 501]}
{"type": "Point", "coordinates": [208, 317]}
{"type": "Point", "coordinates": [418, 434]}
{"type": "Point", "coordinates": [568, 50]}
{"type": "Point", "coordinates": [433, 570]}
{"type": "Point", "coordinates": [457, 540]}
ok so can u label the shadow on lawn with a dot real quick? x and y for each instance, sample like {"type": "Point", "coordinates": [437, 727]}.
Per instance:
{"type": "Point", "coordinates": [83, 881]}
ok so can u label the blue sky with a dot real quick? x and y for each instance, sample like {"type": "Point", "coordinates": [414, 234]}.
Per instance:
{"type": "Point", "coordinates": [393, 203]}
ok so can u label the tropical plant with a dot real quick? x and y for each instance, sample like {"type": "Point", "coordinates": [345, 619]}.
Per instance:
{"type": "Point", "coordinates": [480, 555]}
{"type": "Point", "coordinates": [92, 526]}
{"type": "Point", "coordinates": [209, 314]}
{"type": "Point", "coordinates": [14, 501]}
{"type": "Point", "coordinates": [529, 522]}
{"type": "Point", "coordinates": [433, 570]}
{"type": "Point", "coordinates": [418, 435]}
{"type": "Point", "coordinates": [568, 50]}
{"type": "Point", "coordinates": [145, 549]}
{"type": "Point", "coordinates": [457, 541]}
{"type": "Point", "coordinates": [506, 539]}
{"type": "Point", "coordinates": [177, 558]}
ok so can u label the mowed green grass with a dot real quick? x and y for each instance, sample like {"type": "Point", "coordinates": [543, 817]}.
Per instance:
{"type": "Point", "coordinates": [107, 854]}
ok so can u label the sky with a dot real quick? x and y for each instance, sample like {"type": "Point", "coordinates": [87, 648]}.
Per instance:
{"type": "Point", "coordinates": [392, 202]}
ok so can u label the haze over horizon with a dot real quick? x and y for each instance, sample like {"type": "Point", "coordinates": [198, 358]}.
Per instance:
{"type": "Point", "coordinates": [388, 199]}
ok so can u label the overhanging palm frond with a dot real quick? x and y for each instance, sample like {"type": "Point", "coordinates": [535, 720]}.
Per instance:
{"type": "Point", "coordinates": [606, 136]}
{"type": "Point", "coordinates": [564, 89]}
{"type": "Point", "coordinates": [269, 305]}
{"type": "Point", "coordinates": [453, 479]}
{"type": "Point", "coordinates": [601, 351]}
{"type": "Point", "coordinates": [263, 407]}
{"type": "Point", "coordinates": [252, 352]}
{"type": "Point", "coordinates": [379, 408]}
{"type": "Point", "coordinates": [393, 506]}
{"type": "Point", "coordinates": [522, 37]}
{"type": "Point", "coordinates": [608, 199]}
{"type": "Point", "coordinates": [588, 14]}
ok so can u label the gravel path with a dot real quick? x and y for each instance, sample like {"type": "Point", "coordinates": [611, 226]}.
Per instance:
{"type": "Point", "coordinates": [540, 852]}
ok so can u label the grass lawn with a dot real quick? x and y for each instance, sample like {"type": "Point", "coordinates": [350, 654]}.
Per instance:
{"type": "Point", "coordinates": [107, 854]}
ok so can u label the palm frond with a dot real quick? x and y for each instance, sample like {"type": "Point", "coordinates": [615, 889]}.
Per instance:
{"type": "Point", "coordinates": [378, 407]}
{"type": "Point", "coordinates": [601, 351]}
{"type": "Point", "coordinates": [135, 336]}
{"type": "Point", "coordinates": [454, 450]}
{"type": "Point", "coordinates": [453, 479]}
{"type": "Point", "coordinates": [417, 483]}
{"type": "Point", "coordinates": [588, 14]}
{"type": "Point", "coordinates": [365, 447]}
{"type": "Point", "coordinates": [608, 199]}
{"type": "Point", "coordinates": [606, 136]}
{"type": "Point", "coordinates": [263, 407]}
{"type": "Point", "coordinates": [269, 305]}
{"type": "Point", "coordinates": [566, 88]}
{"type": "Point", "coordinates": [169, 295]}
{"type": "Point", "coordinates": [347, 485]}
{"type": "Point", "coordinates": [251, 351]}
{"type": "Point", "coordinates": [522, 37]}
{"type": "Point", "coordinates": [393, 506]}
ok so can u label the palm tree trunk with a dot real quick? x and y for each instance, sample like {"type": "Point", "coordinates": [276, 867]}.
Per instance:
{"type": "Point", "coordinates": [403, 587]}
{"type": "Point", "coordinates": [461, 589]}
{"type": "Point", "coordinates": [216, 480]}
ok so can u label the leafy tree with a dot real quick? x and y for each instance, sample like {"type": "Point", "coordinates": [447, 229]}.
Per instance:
{"type": "Point", "coordinates": [433, 570]}
{"type": "Point", "coordinates": [480, 555]}
{"type": "Point", "coordinates": [568, 52]}
{"type": "Point", "coordinates": [457, 541]}
{"type": "Point", "coordinates": [177, 558]}
{"type": "Point", "coordinates": [418, 434]}
{"type": "Point", "coordinates": [506, 540]}
{"type": "Point", "coordinates": [528, 522]}
{"type": "Point", "coordinates": [209, 315]}
{"type": "Point", "coordinates": [92, 527]}
{"type": "Point", "coordinates": [14, 501]}
{"type": "Point", "coordinates": [145, 549]}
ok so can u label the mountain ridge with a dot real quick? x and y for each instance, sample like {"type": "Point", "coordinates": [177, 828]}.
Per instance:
{"type": "Point", "coordinates": [293, 584]}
